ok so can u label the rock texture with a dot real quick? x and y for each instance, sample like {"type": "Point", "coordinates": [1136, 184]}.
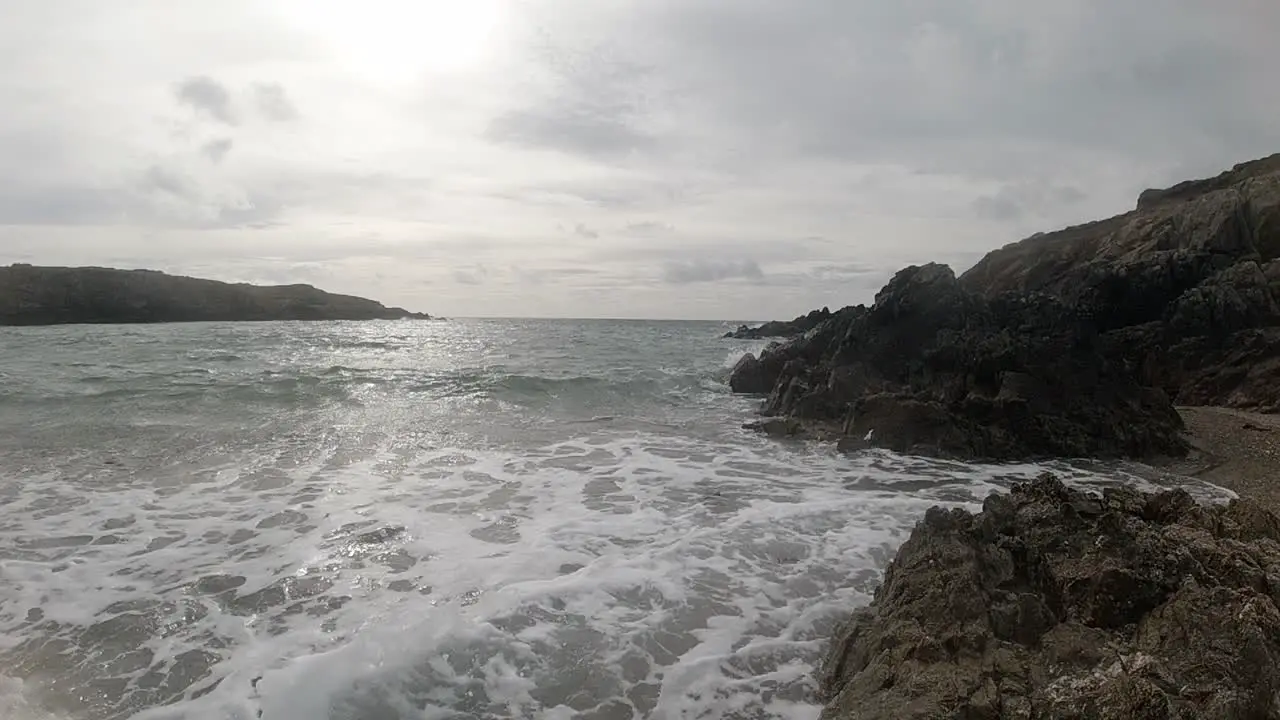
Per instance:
{"type": "Point", "coordinates": [1076, 342]}
{"type": "Point", "coordinates": [53, 296]}
{"type": "Point", "coordinates": [778, 328]}
{"type": "Point", "coordinates": [1185, 288]}
{"type": "Point", "coordinates": [1056, 604]}
{"type": "Point", "coordinates": [932, 368]}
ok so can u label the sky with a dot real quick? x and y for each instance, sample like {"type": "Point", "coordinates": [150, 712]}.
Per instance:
{"type": "Point", "coordinates": [721, 159]}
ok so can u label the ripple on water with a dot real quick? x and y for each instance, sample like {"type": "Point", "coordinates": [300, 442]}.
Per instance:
{"type": "Point", "coordinates": [312, 537]}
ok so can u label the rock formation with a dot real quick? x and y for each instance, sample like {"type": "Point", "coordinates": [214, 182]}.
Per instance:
{"type": "Point", "coordinates": [932, 368]}
{"type": "Point", "coordinates": [1056, 604]}
{"type": "Point", "coordinates": [53, 296]}
{"type": "Point", "coordinates": [778, 328]}
{"type": "Point", "coordinates": [1065, 344]}
{"type": "Point", "coordinates": [1185, 288]}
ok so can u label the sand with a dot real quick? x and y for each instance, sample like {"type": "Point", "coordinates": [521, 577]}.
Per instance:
{"type": "Point", "coordinates": [1234, 449]}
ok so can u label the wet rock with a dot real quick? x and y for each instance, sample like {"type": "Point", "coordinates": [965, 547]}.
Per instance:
{"type": "Point", "coordinates": [1054, 603]}
{"type": "Point", "coordinates": [748, 377]}
{"type": "Point", "coordinates": [777, 427]}
{"type": "Point", "coordinates": [778, 328]}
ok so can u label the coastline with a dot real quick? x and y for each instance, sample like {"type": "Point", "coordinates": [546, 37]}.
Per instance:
{"type": "Point", "coordinates": [1235, 449]}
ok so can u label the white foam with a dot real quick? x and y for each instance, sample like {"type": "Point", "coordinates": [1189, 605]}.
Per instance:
{"type": "Point", "coordinates": [370, 564]}
{"type": "Point", "coordinates": [742, 347]}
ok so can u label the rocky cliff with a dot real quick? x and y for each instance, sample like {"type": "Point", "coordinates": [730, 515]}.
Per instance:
{"type": "Point", "coordinates": [1185, 288]}
{"type": "Point", "coordinates": [1057, 604]}
{"type": "Point", "coordinates": [54, 295]}
{"type": "Point", "coordinates": [1069, 343]}
{"type": "Point", "coordinates": [779, 328]}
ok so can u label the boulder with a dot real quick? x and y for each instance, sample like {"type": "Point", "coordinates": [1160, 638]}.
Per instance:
{"type": "Point", "coordinates": [1055, 603]}
{"type": "Point", "coordinates": [749, 377]}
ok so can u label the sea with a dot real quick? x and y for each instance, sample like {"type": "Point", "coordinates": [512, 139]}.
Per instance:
{"type": "Point", "coordinates": [430, 519]}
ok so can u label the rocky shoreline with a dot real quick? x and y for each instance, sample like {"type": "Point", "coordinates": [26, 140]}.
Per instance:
{"type": "Point", "coordinates": [31, 295]}
{"type": "Point", "coordinates": [1054, 603]}
{"type": "Point", "coordinates": [1152, 336]}
{"type": "Point", "coordinates": [778, 328]}
{"type": "Point", "coordinates": [1074, 343]}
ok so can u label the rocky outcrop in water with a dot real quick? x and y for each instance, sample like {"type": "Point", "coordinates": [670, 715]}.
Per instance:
{"type": "Point", "coordinates": [932, 368]}
{"type": "Point", "coordinates": [778, 328]}
{"type": "Point", "coordinates": [54, 296]}
{"type": "Point", "coordinates": [1057, 604]}
{"type": "Point", "coordinates": [1070, 343]}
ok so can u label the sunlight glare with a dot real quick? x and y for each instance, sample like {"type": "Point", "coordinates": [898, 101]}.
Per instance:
{"type": "Point", "coordinates": [399, 39]}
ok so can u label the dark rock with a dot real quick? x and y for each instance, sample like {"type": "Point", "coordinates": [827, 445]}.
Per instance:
{"type": "Point", "coordinates": [778, 328]}
{"type": "Point", "coordinates": [1236, 298]}
{"type": "Point", "coordinates": [1054, 603]}
{"type": "Point", "coordinates": [1172, 283]}
{"type": "Point", "coordinates": [1071, 343]}
{"type": "Point", "coordinates": [54, 296]}
{"type": "Point", "coordinates": [749, 377]}
{"type": "Point", "coordinates": [931, 368]}
{"type": "Point", "coordinates": [777, 427]}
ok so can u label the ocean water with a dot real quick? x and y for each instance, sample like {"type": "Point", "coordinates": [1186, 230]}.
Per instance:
{"type": "Point", "coordinates": [455, 519]}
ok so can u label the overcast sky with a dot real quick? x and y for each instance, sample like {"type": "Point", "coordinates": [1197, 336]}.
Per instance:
{"type": "Point", "coordinates": [605, 158]}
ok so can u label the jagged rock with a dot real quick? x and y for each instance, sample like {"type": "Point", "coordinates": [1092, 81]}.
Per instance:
{"type": "Point", "coordinates": [53, 295]}
{"type": "Point", "coordinates": [749, 377]}
{"type": "Point", "coordinates": [931, 368]}
{"type": "Point", "coordinates": [1054, 603]}
{"type": "Point", "coordinates": [1236, 298]}
{"type": "Point", "coordinates": [1075, 342]}
{"type": "Point", "coordinates": [1200, 259]}
{"type": "Point", "coordinates": [778, 328]}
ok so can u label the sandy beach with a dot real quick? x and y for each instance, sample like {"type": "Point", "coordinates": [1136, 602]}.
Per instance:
{"type": "Point", "coordinates": [1235, 449]}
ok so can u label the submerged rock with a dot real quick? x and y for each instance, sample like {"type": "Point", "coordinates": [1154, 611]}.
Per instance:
{"type": "Point", "coordinates": [1055, 603]}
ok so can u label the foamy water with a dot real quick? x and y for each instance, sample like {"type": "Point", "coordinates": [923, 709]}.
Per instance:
{"type": "Point", "coordinates": [426, 520]}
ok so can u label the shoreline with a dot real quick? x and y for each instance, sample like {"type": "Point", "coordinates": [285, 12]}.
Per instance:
{"type": "Point", "coordinates": [1235, 449]}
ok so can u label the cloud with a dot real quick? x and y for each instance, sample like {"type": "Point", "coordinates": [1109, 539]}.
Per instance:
{"type": "Point", "coordinates": [649, 229]}
{"type": "Point", "coordinates": [594, 104]}
{"type": "Point", "coordinates": [204, 94]}
{"type": "Point", "coordinates": [690, 145]}
{"type": "Point", "coordinates": [1017, 200]}
{"type": "Point", "coordinates": [217, 149]}
{"type": "Point", "coordinates": [700, 271]}
{"type": "Point", "coordinates": [60, 205]}
{"type": "Point", "coordinates": [475, 275]}
{"type": "Point", "coordinates": [273, 102]}
{"type": "Point", "coordinates": [538, 276]}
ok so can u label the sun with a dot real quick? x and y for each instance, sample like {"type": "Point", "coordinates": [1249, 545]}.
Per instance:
{"type": "Point", "coordinates": [399, 39]}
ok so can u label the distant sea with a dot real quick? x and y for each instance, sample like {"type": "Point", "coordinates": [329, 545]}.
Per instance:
{"type": "Point", "coordinates": [394, 520]}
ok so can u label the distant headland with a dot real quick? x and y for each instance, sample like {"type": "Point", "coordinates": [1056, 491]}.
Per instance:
{"type": "Point", "coordinates": [31, 295]}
